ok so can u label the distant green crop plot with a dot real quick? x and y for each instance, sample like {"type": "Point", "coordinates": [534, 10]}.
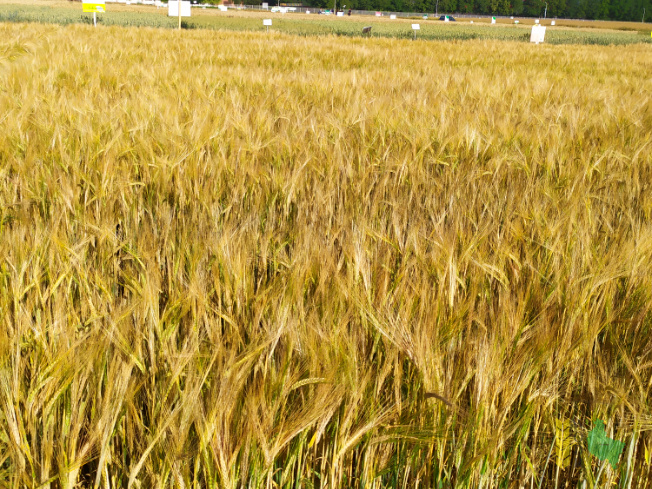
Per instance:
{"type": "Point", "coordinates": [317, 26]}
{"type": "Point", "coordinates": [64, 16]}
{"type": "Point", "coordinates": [428, 30]}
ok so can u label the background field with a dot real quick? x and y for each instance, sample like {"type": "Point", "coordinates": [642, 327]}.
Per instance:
{"type": "Point", "coordinates": [567, 32]}
{"type": "Point", "coordinates": [248, 260]}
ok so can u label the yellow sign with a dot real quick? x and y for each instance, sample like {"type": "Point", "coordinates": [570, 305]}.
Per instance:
{"type": "Point", "coordinates": [94, 7]}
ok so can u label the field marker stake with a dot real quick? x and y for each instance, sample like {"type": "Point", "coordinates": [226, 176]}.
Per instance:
{"type": "Point", "coordinates": [415, 28]}
{"type": "Point", "coordinates": [93, 6]}
{"type": "Point", "coordinates": [179, 5]}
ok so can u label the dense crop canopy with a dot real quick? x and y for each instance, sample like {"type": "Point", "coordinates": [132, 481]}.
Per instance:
{"type": "Point", "coordinates": [250, 260]}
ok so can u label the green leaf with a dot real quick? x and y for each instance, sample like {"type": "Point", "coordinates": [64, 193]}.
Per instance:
{"type": "Point", "coordinates": [603, 447]}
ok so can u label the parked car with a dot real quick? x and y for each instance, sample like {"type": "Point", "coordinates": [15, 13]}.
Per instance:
{"type": "Point", "coordinates": [450, 18]}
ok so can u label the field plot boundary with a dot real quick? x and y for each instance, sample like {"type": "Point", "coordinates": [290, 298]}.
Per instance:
{"type": "Point", "coordinates": [314, 25]}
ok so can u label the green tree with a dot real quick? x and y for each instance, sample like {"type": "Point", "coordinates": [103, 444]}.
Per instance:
{"type": "Point", "coordinates": [482, 6]}
{"type": "Point", "coordinates": [556, 8]}
{"type": "Point", "coordinates": [448, 6]}
{"type": "Point", "coordinates": [534, 8]}
{"type": "Point", "coordinates": [504, 7]}
{"type": "Point", "coordinates": [466, 6]}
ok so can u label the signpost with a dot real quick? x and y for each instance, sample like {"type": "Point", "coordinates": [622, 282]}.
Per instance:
{"type": "Point", "coordinates": [175, 11]}
{"type": "Point", "coordinates": [538, 34]}
{"type": "Point", "coordinates": [267, 23]}
{"type": "Point", "coordinates": [415, 28]}
{"type": "Point", "coordinates": [493, 20]}
{"type": "Point", "coordinates": [94, 6]}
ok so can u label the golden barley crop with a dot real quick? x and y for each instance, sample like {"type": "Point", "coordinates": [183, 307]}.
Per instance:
{"type": "Point", "coordinates": [249, 260]}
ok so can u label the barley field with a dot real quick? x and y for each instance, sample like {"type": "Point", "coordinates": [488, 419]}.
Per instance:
{"type": "Point", "coordinates": [239, 259]}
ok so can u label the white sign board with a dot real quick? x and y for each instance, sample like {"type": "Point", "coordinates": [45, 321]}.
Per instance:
{"type": "Point", "coordinates": [265, 5]}
{"type": "Point", "coordinates": [173, 9]}
{"type": "Point", "coordinates": [340, 14]}
{"type": "Point", "coordinates": [392, 16]}
{"type": "Point", "coordinates": [379, 14]}
{"type": "Point", "coordinates": [552, 22]}
{"type": "Point", "coordinates": [267, 21]}
{"type": "Point", "coordinates": [416, 27]}
{"type": "Point", "coordinates": [493, 20]}
{"type": "Point", "coordinates": [446, 19]}
{"type": "Point", "coordinates": [538, 34]}
{"type": "Point", "coordinates": [536, 21]}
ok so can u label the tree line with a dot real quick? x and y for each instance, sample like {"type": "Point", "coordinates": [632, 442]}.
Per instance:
{"type": "Point", "coordinates": [623, 10]}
